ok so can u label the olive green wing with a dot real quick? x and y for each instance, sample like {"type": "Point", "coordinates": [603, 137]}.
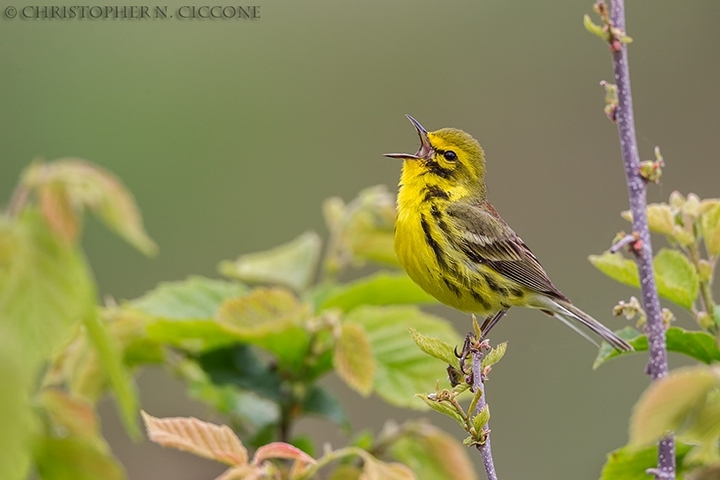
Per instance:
{"type": "Point", "coordinates": [484, 237]}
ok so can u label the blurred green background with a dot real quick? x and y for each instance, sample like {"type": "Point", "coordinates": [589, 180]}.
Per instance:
{"type": "Point", "coordinates": [231, 133]}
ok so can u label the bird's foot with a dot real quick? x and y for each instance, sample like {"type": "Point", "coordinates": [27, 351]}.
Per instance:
{"type": "Point", "coordinates": [471, 346]}
{"type": "Point", "coordinates": [466, 351]}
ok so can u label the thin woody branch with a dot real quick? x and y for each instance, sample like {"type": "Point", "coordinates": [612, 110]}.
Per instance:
{"type": "Point", "coordinates": [479, 384]}
{"type": "Point", "coordinates": [637, 185]}
{"type": "Point", "coordinates": [625, 241]}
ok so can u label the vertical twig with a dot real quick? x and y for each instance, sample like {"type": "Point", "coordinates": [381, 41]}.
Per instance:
{"type": "Point", "coordinates": [657, 365]}
{"type": "Point", "coordinates": [479, 384]}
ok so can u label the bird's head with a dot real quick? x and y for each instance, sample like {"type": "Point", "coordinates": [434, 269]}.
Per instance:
{"type": "Point", "coordinates": [448, 157]}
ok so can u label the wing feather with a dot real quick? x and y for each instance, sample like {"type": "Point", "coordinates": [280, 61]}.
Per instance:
{"type": "Point", "coordinates": [485, 238]}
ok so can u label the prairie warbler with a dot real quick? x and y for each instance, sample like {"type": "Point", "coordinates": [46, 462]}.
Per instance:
{"type": "Point", "coordinates": [452, 242]}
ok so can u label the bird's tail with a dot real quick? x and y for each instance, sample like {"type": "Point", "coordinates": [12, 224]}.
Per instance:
{"type": "Point", "coordinates": [571, 315]}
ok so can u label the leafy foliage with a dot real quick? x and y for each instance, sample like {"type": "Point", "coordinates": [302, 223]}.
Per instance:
{"type": "Point", "coordinates": [687, 402]}
{"type": "Point", "coordinates": [379, 289]}
{"type": "Point", "coordinates": [45, 286]}
{"type": "Point", "coordinates": [15, 412]}
{"type": "Point", "coordinates": [695, 344]}
{"type": "Point", "coordinates": [47, 303]}
{"type": "Point", "coordinates": [433, 454]}
{"type": "Point", "coordinates": [292, 264]}
{"type": "Point", "coordinates": [401, 367]}
{"type": "Point", "coordinates": [353, 358]}
{"type": "Point", "coordinates": [68, 186]}
{"type": "Point", "coordinates": [253, 347]}
{"type": "Point", "coordinates": [677, 279]}
{"type": "Point", "coordinates": [632, 464]}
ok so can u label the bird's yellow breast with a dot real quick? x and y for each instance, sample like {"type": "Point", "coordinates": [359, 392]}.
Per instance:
{"type": "Point", "coordinates": [431, 260]}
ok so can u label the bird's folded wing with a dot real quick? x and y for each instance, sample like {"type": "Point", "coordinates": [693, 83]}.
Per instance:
{"type": "Point", "coordinates": [484, 237]}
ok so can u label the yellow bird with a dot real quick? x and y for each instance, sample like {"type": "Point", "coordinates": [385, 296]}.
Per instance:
{"type": "Point", "coordinates": [452, 242]}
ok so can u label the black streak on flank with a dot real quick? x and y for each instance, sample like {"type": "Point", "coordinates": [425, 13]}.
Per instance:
{"type": "Point", "coordinates": [435, 212]}
{"type": "Point", "coordinates": [480, 299]}
{"type": "Point", "coordinates": [452, 287]}
{"type": "Point", "coordinates": [433, 191]}
{"type": "Point", "coordinates": [517, 292]}
{"type": "Point", "coordinates": [495, 287]}
{"type": "Point", "coordinates": [439, 255]}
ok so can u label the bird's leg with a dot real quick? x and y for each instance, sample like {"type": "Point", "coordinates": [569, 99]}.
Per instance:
{"type": "Point", "coordinates": [490, 322]}
{"type": "Point", "coordinates": [473, 342]}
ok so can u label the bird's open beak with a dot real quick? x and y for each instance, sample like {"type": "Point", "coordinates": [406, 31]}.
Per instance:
{"type": "Point", "coordinates": [425, 148]}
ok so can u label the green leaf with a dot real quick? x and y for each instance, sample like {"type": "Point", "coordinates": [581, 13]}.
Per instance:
{"type": "Point", "coordinates": [128, 329]}
{"type": "Point", "coordinates": [628, 463]}
{"type": "Point", "coordinates": [379, 289]}
{"type": "Point", "coordinates": [696, 344]}
{"type": "Point", "coordinates": [319, 401]}
{"type": "Point", "coordinates": [481, 419]}
{"type": "Point", "coordinates": [73, 459]}
{"type": "Point", "coordinates": [363, 439]}
{"type": "Point", "coordinates": [711, 229]}
{"type": "Point", "coordinates": [16, 378]}
{"type": "Point", "coordinates": [443, 407]}
{"type": "Point", "coordinates": [361, 230]}
{"type": "Point", "coordinates": [660, 218]}
{"type": "Point", "coordinates": [247, 410]}
{"type": "Point", "coordinates": [183, 313]}
{"type": "Point", "coordinates": [475, 399]}
{"type": "Point", "coordinates": [593, 28]}
{"type": "Point", "coordinates": [402, 369]}
{"type": "Point", "coordinates": [240, 365]}
{"type": "Point", "coordinates": [304, 443]}
{"type": "Point", "coordinates": [98, 190]}
{"type": "Point", "coordinates": [45, 286]}
{"type": "Point", "coordinates": [270, 318]}
{"type": "Point", "coordinates": [345, 472]}
{"type": "Point", "coordinates": [120, 379]}
{"type": "Point", "coordinates": [353, 358]}
{"type": "Point", "coordinates": [194, 298]}
{"type": "Point", "coordinates": [197, 335]}
{"type": "Point", "coordinates": [433, 455]}
{"type": "Point", "coordinates": [617, 267]}
{"type": "Point", "coordinates": [436, 348]}
{"type": "Point", "coordinates": [495, 355]}
{"type": "Point", "coordinates": [677, 279]}
{"type": "Point", "coordinates": [374, 469]}
{"type": "Point", "coordinates": [705, 427]}
{"type": "Point", "coordinates": [324, 361]}
{"type": "Point", "coordinates": [670, 403]}
{"type": "Point", "coordinates": [79, 366]}
{"type": "Point", "coordinates": [292, 264]}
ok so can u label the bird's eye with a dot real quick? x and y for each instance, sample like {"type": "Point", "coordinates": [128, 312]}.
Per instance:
{"type": "Point", "coordinates": [450, 156]}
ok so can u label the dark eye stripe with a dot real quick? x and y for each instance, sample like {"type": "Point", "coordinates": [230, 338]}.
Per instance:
{"type": "Point", "coordinates": [436, 169]}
